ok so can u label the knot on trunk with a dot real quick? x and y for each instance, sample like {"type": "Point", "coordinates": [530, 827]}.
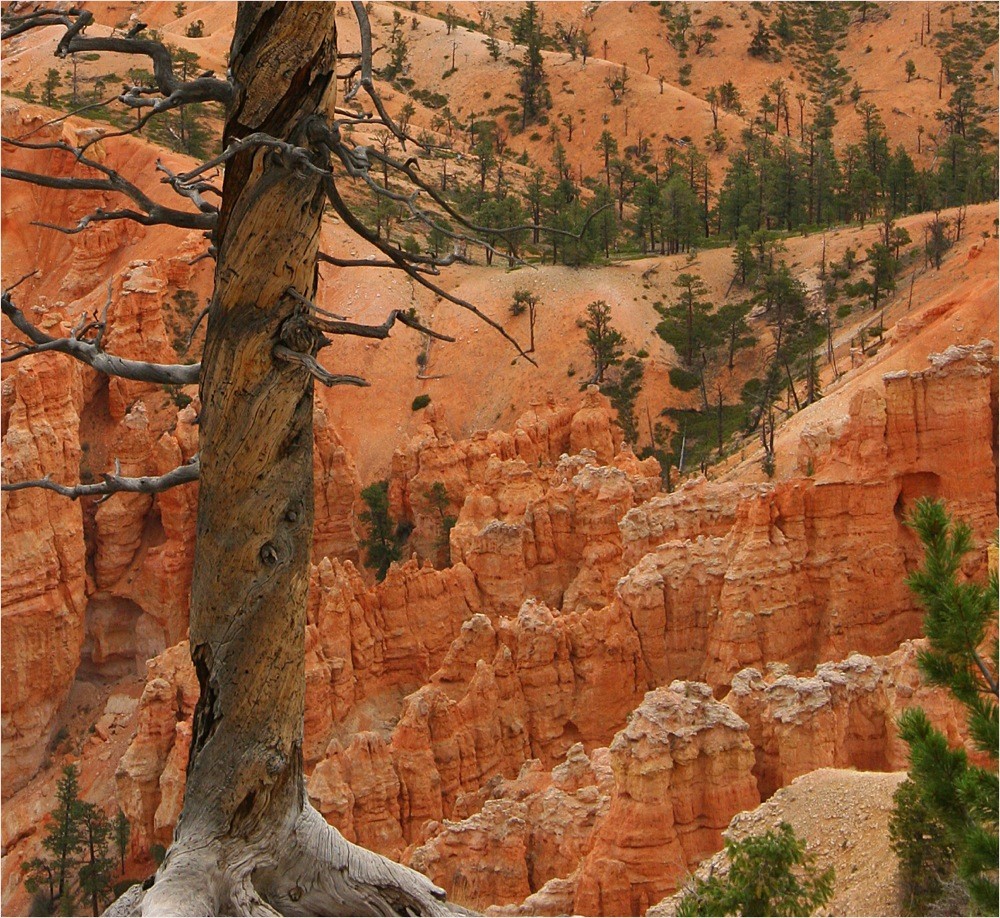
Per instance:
{"type": "Point", "coordinates": [298, 334]}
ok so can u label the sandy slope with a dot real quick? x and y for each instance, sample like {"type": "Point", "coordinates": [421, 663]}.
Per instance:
{"type": "Point", "coordinates": [843, 816]}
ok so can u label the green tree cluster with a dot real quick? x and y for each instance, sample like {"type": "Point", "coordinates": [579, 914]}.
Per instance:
{"type": "Point", "coordinates": [788, 170]}
{"type": "Point", "coordinates": [384, 543]}
{"type": "Point", "coordinates": [79, 867]}
{"type": "Point", "coordinates": [706, 339]}
{"type": "Point", "coordinates": [398, 49]}
{"type": "Point", "coordinates": [622, 387]}
{"type": "Point", "coordinates": [532, 84]}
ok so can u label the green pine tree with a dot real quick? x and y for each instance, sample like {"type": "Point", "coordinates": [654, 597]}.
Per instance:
{"type": "Point", "coordinates": [439, 500]}
{"type": "Point", "coordinates": [526, 30]}
{"type": "Point", "coordinates": [52, 82]}
{"type": "Point", "coordinates": [959, 797]}
{"type": "Point", "coordinates": [623, 391]}
{"type": "Point", "coordinates": [122, 830]}
{"type": "Point", "coordinates": [96, 872]}
{"type": "Point", "coordinates": [769, 874]}
{"type": "Point", "coordinates": [687, 325]}
{"type": "Point", "coordinates": [382, 545]}
{"type": "Point", "coordinates": [603, 340]}
{"type": "Point", "coordinates": [49, 879]}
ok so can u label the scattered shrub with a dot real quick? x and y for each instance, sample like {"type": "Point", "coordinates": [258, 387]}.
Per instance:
{"type": "Point", "coordinates": [682, 379]}
{"type": "Point", "coordinates": [769, 874]}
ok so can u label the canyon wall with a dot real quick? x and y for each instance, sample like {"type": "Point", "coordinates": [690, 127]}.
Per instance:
{"type": "Point", "coordinates": [44, 576]}
{"type": "Point", "coordinates": [449, 709]}
{"type": "Point", "coordinates": [527, 707]}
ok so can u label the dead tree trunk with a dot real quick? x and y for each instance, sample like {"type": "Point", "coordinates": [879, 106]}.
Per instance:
{"type": "Point", "coordinates": [247, 841]}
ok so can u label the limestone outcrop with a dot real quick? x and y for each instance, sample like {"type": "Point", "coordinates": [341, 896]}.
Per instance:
{"type": "Point", "coordinates": [789, 572]}
{"type": "Point", "coordinates": [538, 438]}
{"type": "Point", "coordinates": [554, 537]}
{"type": "Point", "coordinates": [150, 776]}
{"type": "Point", "coordinates": [683, 768]}
{"type": "Point", "coordinates": [429, 692]}
{"type": "Point", "coordinates": [532, 687]}
{"type": "Point", "coordinates": [528, 830]}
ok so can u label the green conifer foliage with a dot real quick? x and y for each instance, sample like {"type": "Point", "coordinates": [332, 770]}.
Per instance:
{"type": "Point", "coordinates": [50, 878]}
{"type": "Point", "coordinates": [959, 800]}
{"type": "Point", "coordinates": [382, 546]}
{"type": "Point", "coordinates": [769, 874]}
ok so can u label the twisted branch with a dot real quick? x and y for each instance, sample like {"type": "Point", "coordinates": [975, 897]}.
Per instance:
{"type": "Point", "coordinates": [206, 88]}
{"type": "Point", "coordinates": [309, 363]}
{"type": "Point", "coordinates": [90, 352]}
{"type": "Point", "coordinates": [376, 331]}
{"type": "Point", "coordinates": [150, 213]}
{"type": "Point", "coordinates": [115, 483]}
{"type": "Point", "coordinates": [338, 325]}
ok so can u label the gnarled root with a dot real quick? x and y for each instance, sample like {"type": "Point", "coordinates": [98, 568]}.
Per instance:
{"type": "Point", "coordinates": [312, 870]}
{"type": "Point", "coordinates": [321, 873]}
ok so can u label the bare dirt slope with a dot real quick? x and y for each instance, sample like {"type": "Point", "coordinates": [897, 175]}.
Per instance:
{"type": "Point", "coordinates": [478, 382]}
{"type": "Point", "coordinates": [843, 816]}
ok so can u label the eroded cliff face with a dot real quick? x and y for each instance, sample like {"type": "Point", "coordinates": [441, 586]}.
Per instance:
{"type": "Point", "coordinates": [472, 712]}
{"type": "Point", "coordinates": [461, 721]}
{"type": "Point", "coordinates": [615, 830]}
{"type": "Point", "coordinates": [813, 567]}
{"type": "Point", "coordinates": [425, 680]}
{"type": "Point", "coordinates": [841, 716]}
{"type": "Point", "coordinates": [44, 577]}
{"type": "Point", "coordinates": [601, 834]}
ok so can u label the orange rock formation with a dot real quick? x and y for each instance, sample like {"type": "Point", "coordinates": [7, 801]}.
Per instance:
{"type": "Point", "coordinates": [575, 591]}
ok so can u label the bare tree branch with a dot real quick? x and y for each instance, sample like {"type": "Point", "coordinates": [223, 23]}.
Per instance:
{"type": "Point", "coordinates": [310, 364]}
{"type": "Point", "coordinates": [194, 328]}
{"type": "Point", "coordinates": [400, 259]}
{"type": "Point", "coordinates": [151, 213]}
{"type": "Point", "coordinates": [311, 306]}
{"type": "Point", "coordinates": [338, 325]}
{"type": "Point", "coordinates": [194, 191]}
{"type": "Point", "coordinates": [115, 483]}
{"type": "Point", "coordinates": [362, 263]}
{"type": "Point", "coordinates": [365, 81]}
{"type": "Point", "coordinates": [21, 280]}
{"type": "Point", "coordinates": [90, 353]}
{"type": "Point", "coordinates": [206, 88]}
{"type": "Point", "coordinates": [429, 267]}
{"type": "Point", "coordinates": [377, 331]}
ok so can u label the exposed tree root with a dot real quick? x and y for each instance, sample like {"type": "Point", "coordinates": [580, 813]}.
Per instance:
{"type": "Point", "coordinates": [310, 870]}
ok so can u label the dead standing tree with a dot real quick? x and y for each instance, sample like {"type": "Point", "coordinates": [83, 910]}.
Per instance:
{"type": "Point", "coordinates": [248, 842]}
